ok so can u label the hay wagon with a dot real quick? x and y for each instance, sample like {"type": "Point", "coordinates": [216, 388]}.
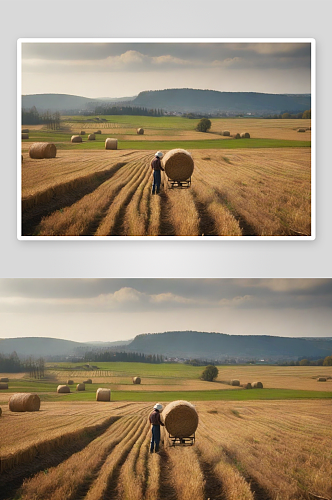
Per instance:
{"type": "Point", "coordinates": [181, 441]}
{"type": "Point", "coordinates": [181, 420]}
{"type": "Point", "coordinates": [178, 166]}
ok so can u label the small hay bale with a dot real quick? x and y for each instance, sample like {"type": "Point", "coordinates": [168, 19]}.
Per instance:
{"type": "Point", "coordinates": [245, 135]}
{"type": "Point", "coordinates": [3, 385]}
{"type": "Point", "coordinates": [235, 382]}
{"type": "Point", "coordinates": [140, 131]}
{"type": "Point", "coordinates": [0, 412]}
{"type": "Point", "coordinates": [24, 401]}
{"type": "Point", "coordinates": [103, 394]}
{"type": "Point", "coordinates": [97, 132]}
{"type": "Point", "coordinates": [178, 164]}
{"type": "Point", "coordinates": [40, 150]}
{"type": "Point", "coordinates": [80, 387]}
{"type": "Point", "coordinates": [76, 138]}
{"type": "Point", "coordinates": [4, 379]}
{"type": "Point", "coordinates": [25, 131]}
{"type": "Point", "coordinates": [111, 143]}
{"type": "Point", "coordinates": [25, 136]}
{"type": "Point", "coordinates": [91, 137]}
{"type": "Point", "coordinates": [257, 385]}
{"type": "Point", "coordinates": [247, 386]}
{"type": "Point", "coordinates": [82, 132]}
{"type": "Point", "coordinates": [321, 379]}
{"type": "Point", "coordinates": [237, 136]}
{"type": "Point", "coordinates": [226, 132]}
{"type": "Point", "coordinates": [301, 129]}
{"type": "Point", "coordinates": [180, 418]}
{"type": "Point", "coordinates": [63, 388]}
{"type": "Point", "coordinates": [88, 381]}
{"type": "Point", "coordinates": [70, 382]}
{"type": "Point", "coordinates": [136, 380]}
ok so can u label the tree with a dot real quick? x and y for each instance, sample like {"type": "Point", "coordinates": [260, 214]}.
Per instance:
{"type": "Point", "coordinates": [210, 373]}
{"type": "Point", "coordinates": [304, 362]}
{"type": "Point", "coordinates": [285, 115]}
{"type": "Point", "coordinates": [307, 113]}
{"type": "Point", "coordinates": [203, 125]}
{"type": "Point", "coordinates": [327, 361]}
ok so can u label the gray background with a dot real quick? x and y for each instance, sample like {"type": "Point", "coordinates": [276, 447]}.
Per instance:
{"type": "Point", "coordinates": [153, 18]}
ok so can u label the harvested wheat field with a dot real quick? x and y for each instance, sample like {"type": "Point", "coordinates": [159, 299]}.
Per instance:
{"type": "Point", "coordinates": [247, 192]}
{"type": "Point", "coordinates": [252, 450]}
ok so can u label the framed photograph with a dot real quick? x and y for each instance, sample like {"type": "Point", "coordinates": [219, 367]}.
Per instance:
{"type": "Point", "coordinates": [166, 139]}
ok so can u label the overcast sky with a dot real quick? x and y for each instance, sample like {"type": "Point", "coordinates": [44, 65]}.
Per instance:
{"type": "Point", "coordinates": [119, 309]}
{"type": "Point", "coordinates": [125, 69]}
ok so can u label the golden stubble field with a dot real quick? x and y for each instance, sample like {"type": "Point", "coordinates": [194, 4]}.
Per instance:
{"type": "Point", "coordinates": [257, 192]}
{"type": "Point", "coordinates": [278, 450]}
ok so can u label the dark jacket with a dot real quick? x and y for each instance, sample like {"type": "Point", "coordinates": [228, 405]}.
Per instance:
{"type": "Point", "coordinates": [156, 164]}
{"type": "Point", "coordinates": [154, 418]}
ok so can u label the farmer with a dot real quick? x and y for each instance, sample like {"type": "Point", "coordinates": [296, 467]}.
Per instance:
{"type": "Point", "coordinates": [156, 167]}
{"type": "Point", "coordinates": [154, 419]}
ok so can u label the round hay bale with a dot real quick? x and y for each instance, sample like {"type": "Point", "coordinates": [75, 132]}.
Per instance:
{"type": "Point", "coordinates": [0, 412]}
{"type": "Point", "coordinates": [82, 132]}
{"type": "Point", "coordinates": [103, 394]}
{"type": "Point", "coordinates": [91, 137]}
{"type": "Point", "coordinates": [245, 135]}
{"type": "Point", "coordinates": [80, 387]}
{"type": "Point", "coordinates": [226, 132]}
{"type": "Point", "coordinates": [237, 136]}
{"type": "Point", "coordinates": [25, 131]}
{"type": "Point", "coordinates": [97, 132]}
{"type": "Point", "coordinates": [235, 382]}
{"type": "Point", "coordinates": [25, 136]}
{"type": "Point", "coordinates": [301, 129]}
{"type": "Point", "coordinates": [40, 150]}
{"type": "Point", "coordinates": [178, 164]}
{"type": "Point", "coordinates": [4, 379]}
{"type": "Point", "coordinates": [76, 138]}
{"type": "Point", "coordinates": [321, 379]}
{"type": "Point", "coordinates": [22, 158]}
{"type": "Point", "coordinates": [140, 131]}
{"type": "Point", "coordinates": [257, 385]}
{"type": "Point", "coordinates": [3, 385]}
{"type": "Point", "coordinates": [111, 143]}
{"type": "Point", "coordinates": [24, 401]}
{"type": "Point", "coordinates": [247, 386]}
{"type": "Point", "coordinates": [136, 380]}
{"type": "Point", "coordinates": [180, 418]}
{"type": "Point", "coordinates": [88, 381]}
{"type": "Point", "coordinates": [63, 388]}
{"type": "Point", "coordinates": [70, 382]}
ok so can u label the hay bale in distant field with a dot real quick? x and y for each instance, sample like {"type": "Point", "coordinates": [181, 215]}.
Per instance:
{"type": "Point", "coordinates": [235, 382]}
{"type": "Point", "coordinates": [180, 418]}
{"type": "Point", "coordinates": [301, 129]}
{"type": "Point", "coordinates": [25, 130]}
{"type": "Point", "coordinates": [88, 381]}
{"type": "Point", "coordinates": [245, 135]}
{"type": "Point", "coordinates": [237, 136]}
{"type": "Point", "coordinates": [257, 385]}
{"type": "Point", "coordinates": [4, 379]}
{"type": "Point", "coordinates": [3, 385]}
{"type": "Point", "coordinates": [136, 380]}
{"type": "Point", "coordinates": [76, 138]}
{"type": "Point", "coordinates": [24, 401]}
{"type": "Point", "coordinates": [0, 412]}
{"type": "Point", "coordinates": [321, 379]}
{"type": "Point", "coordinates": [226, 132]}
{"type": "Point", "coordinates": [70, 382]}
{"type": "Point", "coordinates": [103, 394]}
{"type": "Point", "coordinates": [40, 150]}
{"type": "Point", "coordinates": [25, 136]}
{"type": "Point", "coordinates": [80, 387]}
{"type": "Point", "coordinates": [247, 386]}
{"type": "Point", "coordinates": [91, 137]}
{"type": "Point", "coordinates": [111, 143]}
{"type": "Point", "coordinates": [97, 132]}
{"type": "Point", "coordinates": [178, 164]}
{"type": "Point", "coordinates": [140, 131]}
{"type": "Point", "coordinates": [63, 388]}
{"type": "Point", "coordinates": [82, 132]}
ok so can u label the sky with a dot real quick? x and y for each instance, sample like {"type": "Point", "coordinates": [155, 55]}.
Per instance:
{"type": "Point", "coordinates": [125, 69]}
{"type": "Point", "coordinates": [119, 309]}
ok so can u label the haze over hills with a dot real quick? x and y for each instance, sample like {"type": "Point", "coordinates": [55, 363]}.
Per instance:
{"type": "Point", "coordinates": [184, 344]}
{"type": "Point", "coordinates": [177, 100]}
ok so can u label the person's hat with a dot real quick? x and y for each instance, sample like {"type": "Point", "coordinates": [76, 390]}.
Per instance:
{"type": "Point", "coordinates": [159, 154]}
{"type": "Point", "coordinates": [158, 406]}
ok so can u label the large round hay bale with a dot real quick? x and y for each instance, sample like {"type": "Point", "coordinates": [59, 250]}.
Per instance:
{"type": "Point", "coordinates": [25, 130]}
{"type": "Point", "coordinates": [82, 132]}
{"type": "Point", "coordinates": [40, 150]}
{"type": "Point", "coordinates": [237, 136]}
{"type": "Point", "coordinates": [80, 387]}
{"type": "Point", "coordinates": [301, 129]}
{"type": "Point", "coordinates": [245, 135]}
{"type": "Point", "coordinates": [91, 137]}
{"type": "Point", "coordinates": [25, 136]}
{"type": "Point", "coordinates": [70, 382]}
{"type": "Point", "coordinates": [24, 401]}
{"type": "Point", "coordinates": [321, 379]}
{"type": "Point", "coordinates": [3, 385]}
{"type": "Point", "coordinates": [247, 386]}
{"type": "Point", "coordinates": [103, 394]}
{"type": "Point", "coordinates": [4, 379]}
{"type": "Point", "coordinates": [140, 131]}
{"type": "Point", "coordinates": [226, 132]}
{"type": "Point", "coordinates": [63, 388]}
{"type": "Point", "coordinates": [257, 385]}
{"type": "Point", "coordinates": [235, 382]}
{"type": "Point", "coordinates": [136, 380]}
{"type": "Point", "coordinates": [111, 143]}
{"type": "Point", "coordinates": [76, 138]}
{"type": "Point", "coordinates": [178, 164]}
{"type": "Point", "coordinates": [180, 418]}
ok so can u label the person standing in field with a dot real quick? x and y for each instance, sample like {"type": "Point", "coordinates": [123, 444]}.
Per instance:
{"type": "Point", "coordinates": [156, 168]}
{"type": "Point", "coordinates": [154, 419]}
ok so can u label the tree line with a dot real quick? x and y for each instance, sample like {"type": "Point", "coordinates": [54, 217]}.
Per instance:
{"type": "Point", "coordinates": [12, 364]}
{"type": "Point", "coordinates": [130, 357]}
{"type": "Point", "coordinates": [33, 117]}
{"type": "Point", "coordinates": [127, 110]}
